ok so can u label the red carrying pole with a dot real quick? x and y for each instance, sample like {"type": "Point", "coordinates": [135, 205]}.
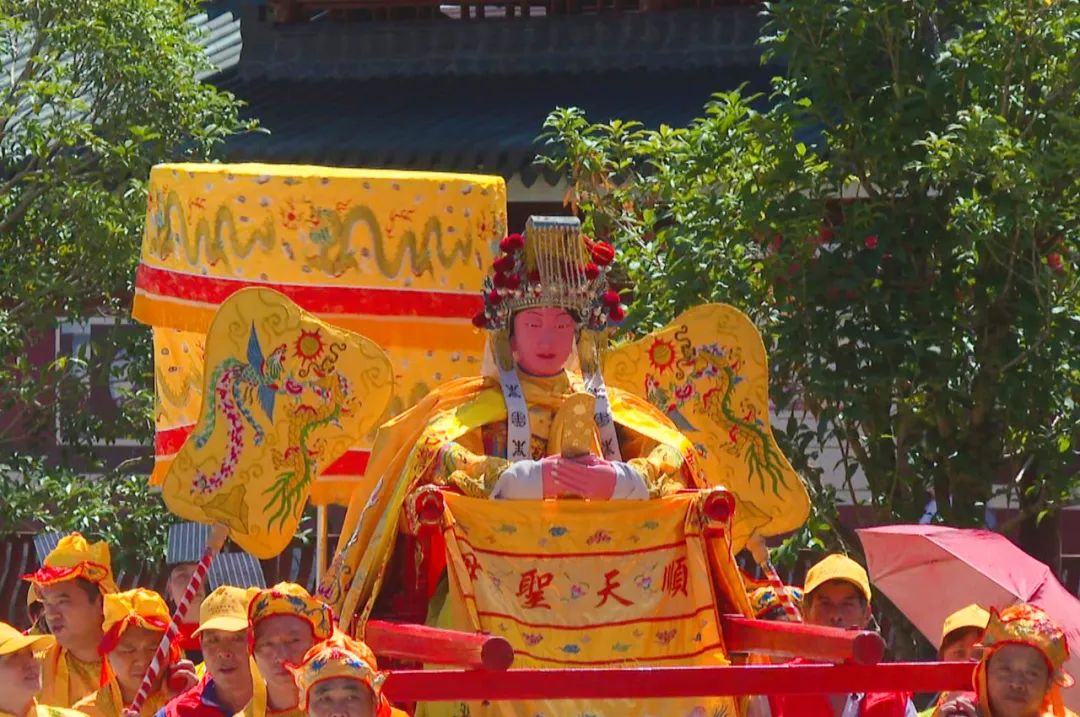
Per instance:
{"type": "Point", "coordinates": [648, 682]}
{"type": "Point", "coordinates": [790, 639]}
{"type": "Point", "coordinates": [435, 646]}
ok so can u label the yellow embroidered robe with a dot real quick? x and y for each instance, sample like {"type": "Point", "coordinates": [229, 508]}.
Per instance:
{"type": "Point", "coordinates": [442, 440]}
{"type": "Point", "coordinates": [474, 462]}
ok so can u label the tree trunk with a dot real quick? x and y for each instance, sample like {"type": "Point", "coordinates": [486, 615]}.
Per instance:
{"type": "Point", "coordinates": [1042, 540]}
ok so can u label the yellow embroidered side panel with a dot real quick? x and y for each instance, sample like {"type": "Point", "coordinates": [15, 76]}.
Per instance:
{"type": "Point", "coordinates": [284, 396]}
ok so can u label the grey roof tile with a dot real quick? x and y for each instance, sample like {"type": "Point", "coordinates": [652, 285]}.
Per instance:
{"type": "Point", "coordinates": [45, 543]}
{"type": "Point", "coordinates": [458, 123]}
{"type": "Point", "coordinates": [187, 543]}
{"type": "Point", "coordinates": [240, 570]}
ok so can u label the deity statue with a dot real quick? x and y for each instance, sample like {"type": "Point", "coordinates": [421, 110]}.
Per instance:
{"type": "Point", "coordinates": [547, 305]}
{"type": "Point", "coordinates": [539, 422]}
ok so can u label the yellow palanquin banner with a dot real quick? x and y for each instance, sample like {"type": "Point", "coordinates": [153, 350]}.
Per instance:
{"type": "Point", "coordinates": [587, 584]}
{"type": "Point", "coordinates": [283, 395]}
{"type": "Point", "coordinates": [708, 372]}
{"type": "Point", "coordinates": [397, 256]}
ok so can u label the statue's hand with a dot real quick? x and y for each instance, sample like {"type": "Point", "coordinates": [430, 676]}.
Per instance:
{"type": "Point", "coordinates": [585, 477]}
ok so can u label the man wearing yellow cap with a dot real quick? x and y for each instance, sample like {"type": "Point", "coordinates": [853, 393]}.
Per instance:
{"type": "Point", "coordinates": [71, 584]}
{"type": "Point", "coordinates": [1021, 670]}
{"type": "Point", "coordinates": [134, 624]}
{"type": "Point", "coordinates": [285, 622]}
{"type": "Point", "coordinates": [223, 630]}
{"type": "Point", "coordinates": [340, 678]}
{"type": "Point", "coordinates": [837, 594]}
{"type": "Point", "coordinates": [959, 642]}
{"type": "Point", "coordinates": [20, 675]}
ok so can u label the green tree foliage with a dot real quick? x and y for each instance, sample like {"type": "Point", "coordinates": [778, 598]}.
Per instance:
{"type": "Point", "coordinates": [93, 94]}
{"type": "Point", "coordinates": [903, 226]}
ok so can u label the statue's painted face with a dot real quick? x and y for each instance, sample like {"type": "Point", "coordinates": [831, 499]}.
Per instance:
{"type": "Point", "coordinates": [542, 340]}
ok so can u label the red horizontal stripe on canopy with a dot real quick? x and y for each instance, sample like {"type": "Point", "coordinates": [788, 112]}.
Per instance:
{"type": "Point", "coordinates": [318, 299]}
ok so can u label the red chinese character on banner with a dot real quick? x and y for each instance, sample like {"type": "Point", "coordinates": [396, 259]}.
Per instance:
{"type": "Point", "coordinates": [471, 564]}
{"type": "Point", "coordinates": [608, 591]}
{"type": "Point", "coordinates": [675, 577]}
{"type": "Point", "coordinates": [531, 587]}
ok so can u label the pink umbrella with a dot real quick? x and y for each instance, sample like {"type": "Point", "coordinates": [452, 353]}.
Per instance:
{"type": "Point", "coordinates": [930, 571]}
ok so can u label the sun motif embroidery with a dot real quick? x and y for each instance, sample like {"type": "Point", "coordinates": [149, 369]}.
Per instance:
{"type": "Point", "coordinates": [309, 346]}
{"type": "Point", "coordinates": [662, 355]}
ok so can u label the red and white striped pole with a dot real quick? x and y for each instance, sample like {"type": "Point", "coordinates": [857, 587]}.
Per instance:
{"type": "Point", "coordinates": [213, 546]}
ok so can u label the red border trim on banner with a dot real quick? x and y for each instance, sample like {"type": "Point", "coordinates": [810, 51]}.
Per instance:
{"type": "Point", "coordinates": [168, 443]}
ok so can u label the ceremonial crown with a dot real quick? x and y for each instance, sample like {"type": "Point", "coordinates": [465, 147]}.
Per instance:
{"type": "Point", "coordinates": [551, 264]}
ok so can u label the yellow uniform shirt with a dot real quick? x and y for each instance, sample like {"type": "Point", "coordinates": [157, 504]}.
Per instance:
{"type": "Point", "coordinates": [106, 703]}
{"type": "Point", "coordinates": [65, 679]}
{"type": "Point", "coordinates": [40, 710]}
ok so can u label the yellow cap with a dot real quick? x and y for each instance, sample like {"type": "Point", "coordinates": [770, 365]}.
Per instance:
{"type": "Point", "coordinates": [11, 640]}
{"type": "Point", "coordinates": [971, 616]}
{"type": "Point", "coordinates": [837, 567]}
{"type": "Point", "coordinates": [225, 609]}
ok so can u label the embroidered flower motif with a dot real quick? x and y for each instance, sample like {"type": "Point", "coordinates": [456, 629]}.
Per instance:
{"type": "Point", "coordinates": [666, 636]}
{"type": "Point", "coordinates": [600, 536]}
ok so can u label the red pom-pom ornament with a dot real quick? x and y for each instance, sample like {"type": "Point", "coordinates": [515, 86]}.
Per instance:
{"type": "Point", "coordinates": [617, 313]}
{"type": "Point", "coordinates": [479, 320]}
{"type": "Point", "coordinates": [611, 298]}
{"type": "Point", "coordinates": [591, 271]}
{"type": "Point", "coordinates": [512, 242]}
{"type": "Point", "coordinates": [512, 282]}
{"type": "Point", "coordinates": [602, 253]}
{"type": "Point", "coordinates": [504, 264]}
{"type": "Point", "coordinates": [494, 297]}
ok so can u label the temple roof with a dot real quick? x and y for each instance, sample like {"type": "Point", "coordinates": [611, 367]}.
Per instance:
{"type": "Point", "coordinates": [469, 124]}
{"type": "Point", "coordinates": [472, 95]}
